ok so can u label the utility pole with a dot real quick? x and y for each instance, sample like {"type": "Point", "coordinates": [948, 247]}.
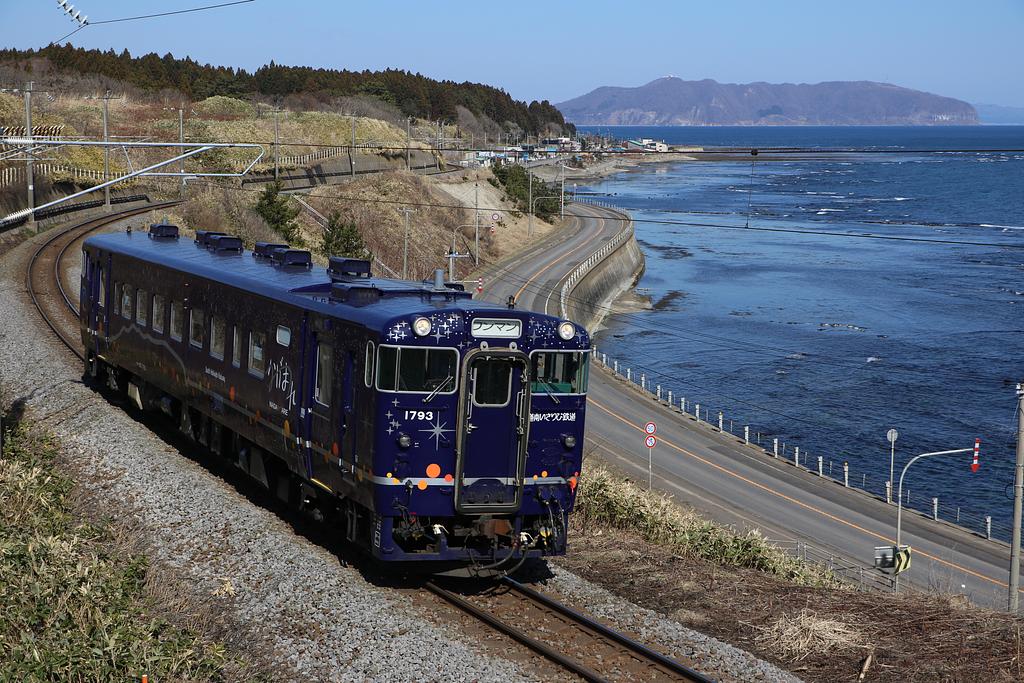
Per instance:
{"type": "Point", "coordinates": [408, 141]}
{"type": "Point", "coordinates": [28, 158]}
{"type": "Point", "coordinates": [181, 139]}
{"type": "Point", "coordinates": [277, 142]}
{"type": "Point", "coordinates": [1018, 495]}
{"type": "Point", "coordinates": [405, 251]}
{"type": "Point", "coordinates": [476, 221]}
{"type": "Point", "coordinates": [529, 229]}
{"type": "Point", "coordinates": [106, 151]}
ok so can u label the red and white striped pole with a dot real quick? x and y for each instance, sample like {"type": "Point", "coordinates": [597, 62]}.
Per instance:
{"type": "Point", "coordinates": [977, 448]}
{"type": "Point", "coordinates": [479, 285]}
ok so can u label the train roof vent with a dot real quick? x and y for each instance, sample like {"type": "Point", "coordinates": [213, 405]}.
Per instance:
{"type": "Point", "coordinates": [341, 268]}
{"type": "Point", "coordinates": [292, 257]}
{"type": "Point", "coordinates": [264, 249]}
{"type": "Point", "coordinates": [355, 295]}
{"type": "Point", "coordinates": [203, 237]}
{"type": "Point", "coordinates": [225, 243]}
{"type": "Point", "coordinates": [164, 230]}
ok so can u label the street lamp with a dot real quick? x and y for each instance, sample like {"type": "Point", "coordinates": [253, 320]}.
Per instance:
{"type": "Point", "coordinates": [899, 503]}
{"type": "Point", "coordinates": [533, 207]}
{"type": "Point", "coordinates": [891, 435]}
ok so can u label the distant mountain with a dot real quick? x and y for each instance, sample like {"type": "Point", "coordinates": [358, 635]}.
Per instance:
{"type": "Point", "coordinates": [998, 114]}
{"type": "Point", "coordinates": [673, 101]}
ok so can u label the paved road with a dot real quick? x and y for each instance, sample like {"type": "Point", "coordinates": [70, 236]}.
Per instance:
{"type": "Point", "coordinates": [732, 482]}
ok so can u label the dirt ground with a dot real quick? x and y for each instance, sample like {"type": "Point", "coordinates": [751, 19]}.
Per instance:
{"type": "Point", "coordinates": [818, 634]}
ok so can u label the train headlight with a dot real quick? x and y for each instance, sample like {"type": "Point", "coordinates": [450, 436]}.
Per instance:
{"type": "Point", "coordinates": [567, 331]}
{"type": "Point", "coordinates": [569, 441]}
{"type": "Point", "coordinates": [421, 326]}
{"type": "Point", "coordinates": [404, 440]}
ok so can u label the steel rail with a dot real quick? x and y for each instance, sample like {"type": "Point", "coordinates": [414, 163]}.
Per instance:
{"type": "Point", "coordinates": [74, 231]}
{"type": "Point", "coordinates": [599, 630]}
{"type": "Point", "coordinates": [625, 641]}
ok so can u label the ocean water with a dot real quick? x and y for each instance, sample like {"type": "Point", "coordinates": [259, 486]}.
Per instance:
{"type": "Point", "coordinates": [826, 341]}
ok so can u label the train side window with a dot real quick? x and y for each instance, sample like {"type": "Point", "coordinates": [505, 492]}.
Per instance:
{"type": "Point", "coordinates": [159, 312]}
{"type": "Point", "coordinates": [126, 302]}
{"type": "Point", "coordinates": [284, 335]}
{"type": "Point", "coordinates": [197, 328]}
{"type": "Point", "coordinates": [117, 298]}
{"type": "Point", "coordinates": [256, 363]}
{"type": "Point", "coordinates": [217, 337]}
{"type": "Point", "coordinates": [141, 307]}
{"type": "Point", "coordinates": [236, 347]}
{"type": "Point", "coordinates": [368, 370]}
{"type": "Point", "coordinates": [324, 373]}
{"type": "Point", "coordinates": [177, 320]}
{"type": "Point", "coordinates": [103, 290]}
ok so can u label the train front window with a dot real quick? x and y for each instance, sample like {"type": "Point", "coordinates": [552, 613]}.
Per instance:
{"type": "Point", "coordinates": [558, 372]}
{"type": "Point", "coordinates": [417, 370]}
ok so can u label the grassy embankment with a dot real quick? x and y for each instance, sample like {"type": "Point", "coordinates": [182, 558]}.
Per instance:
{"type": "Point", "coordinates": [741, 589]}
{"type": "Point", "coordinates": [77, 600]}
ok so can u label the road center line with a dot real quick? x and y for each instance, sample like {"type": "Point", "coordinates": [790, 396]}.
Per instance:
{"type": "Point", "coordinates": [794, 501]}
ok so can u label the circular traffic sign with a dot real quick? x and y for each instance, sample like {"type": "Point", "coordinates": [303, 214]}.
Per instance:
{"type": "Point", "coordinates": [650, 441]}
{"type": "Point", "coordinates": [892, 435]}
{"type": "Point", "coordinates": [651, 428]}
{"type": "Point", "coordinates": [495, 217]}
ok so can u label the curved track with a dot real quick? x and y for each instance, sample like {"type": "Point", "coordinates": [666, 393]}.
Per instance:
{"type": "Point", "coordinates": [570, 639]}
{"type": "Point", "coordinates": [43, 278]}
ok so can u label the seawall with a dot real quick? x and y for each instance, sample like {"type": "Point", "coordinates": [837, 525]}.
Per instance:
{"type": "Point", "coordinates": [590, 289]}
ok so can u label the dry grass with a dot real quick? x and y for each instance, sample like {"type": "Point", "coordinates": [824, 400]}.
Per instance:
{"type": "Point", "coordinates": [819, 633]}
{"type": "Point", "coordinates": [794, 637]}
{"type": "Point", "coordinates": [78, 601]}
{"type": "Point", "coordinates": [608, 500]}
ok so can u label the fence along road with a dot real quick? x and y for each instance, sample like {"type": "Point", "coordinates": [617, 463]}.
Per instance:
{"type": "Point", "coordinates": [718, 474]}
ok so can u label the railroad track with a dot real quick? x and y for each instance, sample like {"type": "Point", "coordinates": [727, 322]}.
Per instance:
{"type": "Point", "coordinates": [43, 278]}
{"type": "Point", "coordinates": [571, 640]}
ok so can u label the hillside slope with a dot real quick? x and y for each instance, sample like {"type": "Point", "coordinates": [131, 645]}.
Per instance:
{"type": "Point", "coordinates": [673, 101]}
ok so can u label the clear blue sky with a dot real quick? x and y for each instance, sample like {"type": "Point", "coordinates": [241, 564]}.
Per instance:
{"type": "Point", "coordinates": [558, 50]}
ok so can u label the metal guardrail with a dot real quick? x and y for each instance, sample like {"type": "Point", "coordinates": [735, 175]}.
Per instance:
{"type": "Point", "coordinates": [52, 211]}
{"type": "Point", "coordinates": [577, 273]}
{"type": "Point", "coordinates": [863, 577]}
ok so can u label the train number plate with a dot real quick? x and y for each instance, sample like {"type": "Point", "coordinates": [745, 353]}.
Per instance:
{"type": "Point", "coordinates": [497, 328]}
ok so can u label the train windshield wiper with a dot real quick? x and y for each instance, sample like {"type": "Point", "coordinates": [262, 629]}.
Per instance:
{"type": "Point", "coordinates": [438, 389]}
{"type": "Point", "coordinates": [549, 389]}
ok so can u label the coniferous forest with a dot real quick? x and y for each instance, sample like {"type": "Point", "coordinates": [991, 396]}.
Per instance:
{"type": "Point", "coordinates": [414, 94]}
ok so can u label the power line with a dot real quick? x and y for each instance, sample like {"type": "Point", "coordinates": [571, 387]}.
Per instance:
{"type": "Point", "coordinates": [167, 14]}
{"type": "Point", "coordinates": [653, 221]}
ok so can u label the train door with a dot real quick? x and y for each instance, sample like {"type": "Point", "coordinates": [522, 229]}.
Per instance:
{"type": "Point", "coordinates": [493, 432]}
{"type": "Point", "coordinates": [323, 402]}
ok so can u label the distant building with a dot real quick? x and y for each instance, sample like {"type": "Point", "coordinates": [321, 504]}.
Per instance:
{"type": "Point", "coordinates": [647, 145]}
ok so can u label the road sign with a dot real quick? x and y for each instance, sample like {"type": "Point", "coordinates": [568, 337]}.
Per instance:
{"type": "Point", "coordinates": [884, 557]}
{"type": "Point", "coordinates": [977, 450]}
{"type": "Point", "coordinates": [495, 217]}
{"type": "Point", "coordinates": [650, 441]}
{"type": "Point", "coordinates": [896, 558]}
{"type": "Point", "coordinates": [651, 428]}
{"type": "Point", "coordinates": [892, 435]}
{"type": "Point", "coordinates": [901, 561]}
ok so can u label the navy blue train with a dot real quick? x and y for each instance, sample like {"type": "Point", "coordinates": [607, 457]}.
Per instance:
{"type": "Point", "coordinates": [426, 426]}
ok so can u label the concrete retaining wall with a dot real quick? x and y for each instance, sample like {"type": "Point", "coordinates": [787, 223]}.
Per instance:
{"type": "Point", "coordinates": [592, 287]}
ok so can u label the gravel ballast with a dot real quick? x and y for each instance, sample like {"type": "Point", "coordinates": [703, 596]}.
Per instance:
{"type": "Point", "coordinates": [290, 598]}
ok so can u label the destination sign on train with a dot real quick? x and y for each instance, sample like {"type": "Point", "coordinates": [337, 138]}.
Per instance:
{"type": "Point", "coordinates": [497, 327]}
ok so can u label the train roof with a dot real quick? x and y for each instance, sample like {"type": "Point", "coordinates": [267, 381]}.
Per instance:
{"type": "Point", "coordinates": [369, 301]}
